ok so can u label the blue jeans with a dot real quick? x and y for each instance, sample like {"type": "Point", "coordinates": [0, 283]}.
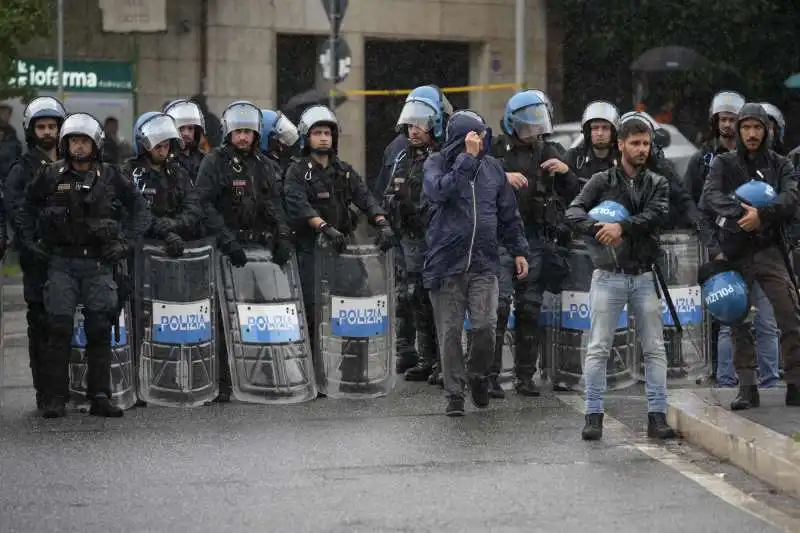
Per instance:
{"type": "Point", "coordinates": [607, 296]}
{"type": "Point", "coordinates": [768, 347]}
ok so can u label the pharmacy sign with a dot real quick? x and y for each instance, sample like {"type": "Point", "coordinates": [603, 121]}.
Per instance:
{"type": "Point", "coordinates": [78, 76]}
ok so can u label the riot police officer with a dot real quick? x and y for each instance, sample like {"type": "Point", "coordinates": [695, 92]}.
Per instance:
{"type": "Point", "coordinates": [423, 119]}
{"type": "Point", "coordinates": [777, 128]}
{"type": "Point", "coordinates": [240, 192]}
{"type": "Point", "coordinates": [41, 121]}
{"type": "Point", "coordinates": [319, 190]}
{"type": "Point", "coordinates": [598, 150]}
{"type": "Point", "coordinates": [544, 185]}
{"type": "Point", "coordinates": [191, 124]}
{"type": "Point", "coordinates": [278, 137]}
{"type": "Point", "coordinates": [89, 216]}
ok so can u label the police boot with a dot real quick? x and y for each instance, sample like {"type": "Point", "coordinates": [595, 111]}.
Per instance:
{"type": "Point", "coordinates": [406, 342]}
{"type": "Point", "coordinates": [495, 389]}
{"type": "Point", "coordinates": [746, 398]}
{"type": "Point", "coordinates": [37, 343]}
{"type": "Point", "coordinates": [421, 372]}
{"type": "Point", "coordinates": [53, 408]}
{"type": "Point", "coordinates": [436, 377]}
{"type": "Point", "coordinates": [793, 394]}
{"type": "Point", "coordinates": [593, 427]}
{"type": "Point", "coordinates": [657, 427]}
{"type": "Point", "coordinates": [102, 406]}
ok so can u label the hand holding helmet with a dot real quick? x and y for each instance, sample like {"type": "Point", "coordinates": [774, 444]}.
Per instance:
{"type": "Point", "coordinates": [608, 215]}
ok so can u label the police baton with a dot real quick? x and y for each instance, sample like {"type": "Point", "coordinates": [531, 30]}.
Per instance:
{"type": "Point", "coordinates": [662, 288]}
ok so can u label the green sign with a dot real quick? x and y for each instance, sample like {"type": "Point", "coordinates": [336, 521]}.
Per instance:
{"type": "Point", "coordinates": [78, 76]}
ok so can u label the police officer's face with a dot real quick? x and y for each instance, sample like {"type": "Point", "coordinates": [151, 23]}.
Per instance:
{"type": "Point", "coordinates": [320, 137]}
{"type": "Point", "coordinates": [752, 132]}
{"type": "Point", "coordinates": [727, 124]}
{"type": "Point", "coordinates": [601, 134]}
{"type": "Point", "coordinates": [187, 136]}
{"type": "Point", "coordinates": [80, 147]}
{"type": "Point", "coordinates": [635, 149]}
{"type": "Point", "coordinates": [160, 152]}
{"type": "Point", "coordinates": [418, 136]}
{"type": "Point", "coordinates": [242, 139]}
{"type": "Point", "coordinates": [46, 131]}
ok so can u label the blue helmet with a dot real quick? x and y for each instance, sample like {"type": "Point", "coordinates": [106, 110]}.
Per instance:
{"type": "Point", "coordinates": [610, 212]}
{"type": "Point", "coordinates": [725, 297]}
{"type": "Point", "coordinates": [151, 129]}
{"type": "Point", "coordinates": [275, 123]}
{"type": "Point", "coordinates": [528, 115]}
{"type": "Point", "coordinates": [427, 108]}
{"type": "Point", "coordinates": [756, 193]}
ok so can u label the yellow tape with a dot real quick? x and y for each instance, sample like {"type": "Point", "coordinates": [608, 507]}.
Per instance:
{"type": "Point", "coordinates": [403, 92]}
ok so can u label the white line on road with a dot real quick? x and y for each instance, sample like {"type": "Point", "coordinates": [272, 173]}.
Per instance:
{"type": "Point", "coordinates": [712, 483]}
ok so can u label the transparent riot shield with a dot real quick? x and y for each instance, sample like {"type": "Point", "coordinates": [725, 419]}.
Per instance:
{"type": "Point", "coordinates": [355, 319]}
{"type": "Point", "coordinates": [572, 337]}
{"type": "Point", "coordinates": [123, 390]}
{"type": "Point", "coordinates": [266, 331]}
{"type": "Point", "coordinates": [688, 355]}
{"type": "Point", "coordinates": [176, 306]}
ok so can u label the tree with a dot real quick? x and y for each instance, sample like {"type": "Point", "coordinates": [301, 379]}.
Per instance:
{"type": "Point", "coordinates": [21, 21]}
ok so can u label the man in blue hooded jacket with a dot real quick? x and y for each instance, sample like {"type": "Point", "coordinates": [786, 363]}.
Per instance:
{"type": "Point", "coordinates": [470, 203]}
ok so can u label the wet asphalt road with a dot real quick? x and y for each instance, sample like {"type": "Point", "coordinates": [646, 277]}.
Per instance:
{"type": "Point", "coordinates": [393, 464]}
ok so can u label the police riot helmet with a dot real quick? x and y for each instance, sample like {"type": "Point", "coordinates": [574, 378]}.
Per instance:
{"type": "Point", "coordinates": [241, 115]}
{"type": "Point", "coordinates": [600, 110]}
{"type": "Point", "coordinates": [725, 102]}
{"type": "Point", "coordinates": [153, 128]}
{"type": "Point", "coordinates": [609, 211]}
{"type": "Point", "coordinates": [756, 193]}
{"type": "Point", "coordinates": [187, 113]}
{"type": "Point", "coordinates": [427, 108]}
{"type": "Point", "coordinates": [41, 107]}
{"type": "Point", "coordinates": [527, 116]}
{"type": "Point", "coordinates": [318, 115]}
{"type": "Point", "coordinates": [724, 292]}
{"type": "Point", "coordinates": [81, 124]}
{"type": "Point", "coordinates": [780, 122]}
{"type": "Point", "coordinates": [276, 125]}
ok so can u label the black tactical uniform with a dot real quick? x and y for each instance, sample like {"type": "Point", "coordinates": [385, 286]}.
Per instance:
{"type": "Point", "coordinates": [88, 221]}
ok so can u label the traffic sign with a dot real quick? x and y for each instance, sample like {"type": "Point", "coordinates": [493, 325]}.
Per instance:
{"type": "Point", "coordinates": [335, 9]}
{"type": "Point", "coordinates": [342, 59]}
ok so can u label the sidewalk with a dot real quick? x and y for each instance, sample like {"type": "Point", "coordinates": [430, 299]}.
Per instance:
{"type": "Point", "coordinates": [764, 442]}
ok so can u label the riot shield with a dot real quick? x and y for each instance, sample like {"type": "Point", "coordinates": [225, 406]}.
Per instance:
{"type": "Point", "coordinates": [123, 390]}
{"type": "Point", "coordinates": [265, 330]}
{"type": "Point", "coordinates": [688, 355]}
{"type": "Point", "coordinates": [355, 319]}
{"type": "Point", "coordinates": [176, 306]}
{"type": "Point", "coordinates": [573, 331]}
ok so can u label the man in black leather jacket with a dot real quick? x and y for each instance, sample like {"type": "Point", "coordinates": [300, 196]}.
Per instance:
{"type": "Point", "coordinates": [623, 254]}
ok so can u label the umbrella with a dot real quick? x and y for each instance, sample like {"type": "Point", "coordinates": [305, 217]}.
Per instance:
{"type": "Point", "coordinates": [300, 102]}
{"type": "Point", "coordinates": [793, 81]}
{"type": "Point", "coordinates": [669, 58]}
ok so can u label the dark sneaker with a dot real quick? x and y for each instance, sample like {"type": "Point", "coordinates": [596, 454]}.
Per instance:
{"type": "Point", "coordinates": [593, 428]}
{"type": "Point", "coordinates": [54, 408]}
{"type": "Point", "coordinates": [746, 398]}
{"type": "Point", "coordinates": [455, 406]}
{"type": "Point", "coordinates": [405, 362]}
{"type": "Point", "coordinates": [102, 406]}
{"type": "Point", "coordinates": [526, 387]}
{"type": "Point", "coordinates": [495, 389]}
{"type": "Point", "coordinates": [421, 372]}
{"type": "Point", "coordinates": [479, 387]}
{"type": "Point", "coordinates": [657, 427]}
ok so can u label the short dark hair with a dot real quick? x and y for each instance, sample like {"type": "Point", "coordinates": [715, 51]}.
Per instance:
{"type": "Point", "coordinates": [633, 126]}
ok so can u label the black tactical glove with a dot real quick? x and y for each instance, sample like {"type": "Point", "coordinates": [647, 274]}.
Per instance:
{"type": "Point", "coordinates": [282, 252]}
{"type": "Point", "coordinates": [385, 240]}
{"type": "Point", "coordinates": [334, 236]}
{"type": "Point", "coordinates": [38, 250]}
{"type": "Point", "coordinates": [114, 252]}
{"type": "Point", "coordinates": [173, 245]}
{"type": "Point", "coordinates": [164, 225]}
{"type": "Point", "coordinates": [237, 255]}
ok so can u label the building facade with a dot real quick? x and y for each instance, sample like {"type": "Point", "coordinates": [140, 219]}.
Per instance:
{"type": "Point", "coordinates": [227, 50]}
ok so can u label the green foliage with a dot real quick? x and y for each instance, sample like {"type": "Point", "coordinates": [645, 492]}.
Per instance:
{"type": "Point", "coordinates": [20, 22]}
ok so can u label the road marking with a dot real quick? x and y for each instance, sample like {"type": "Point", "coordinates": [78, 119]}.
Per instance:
{"type": "Point", "coordinates": [712, 483]}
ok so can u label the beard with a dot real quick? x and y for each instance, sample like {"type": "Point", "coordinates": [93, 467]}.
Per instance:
{"type": "Point", "coordinates": [46, 143]}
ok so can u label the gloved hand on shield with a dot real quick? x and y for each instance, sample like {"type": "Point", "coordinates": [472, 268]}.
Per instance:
{"type": "Point", "coordinates": [236, 255]}
{"type": "Point", "coordinates": [173, 245]}
{"type": "Point", "coordinates": [282, 252]}
{"type": "Point", "coordinates": [386, 239]}
{"type": "Point", "coordinates": [334, 236]}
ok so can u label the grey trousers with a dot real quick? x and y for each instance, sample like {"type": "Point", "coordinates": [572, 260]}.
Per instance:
{"type": "Point", "coordinates": [457, 295]}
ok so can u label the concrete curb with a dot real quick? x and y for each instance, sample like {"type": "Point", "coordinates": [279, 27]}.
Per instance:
{"type": "Point", "coordinates": [770, 456]}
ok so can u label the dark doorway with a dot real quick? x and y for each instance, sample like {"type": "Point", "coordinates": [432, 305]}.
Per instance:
{"type": "Point", "coordinates": [296, 66]}
{"type": "Point", "coordinates": [405, 65]}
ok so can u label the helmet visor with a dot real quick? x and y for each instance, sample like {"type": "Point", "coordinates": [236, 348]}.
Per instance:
{"type": "Point", "coordinates": [728, 102]}
{"type": "Point", "coordinates": [242, 117]}
{"type": "Point", "coordinates": [285, 131]}
{"type": "Point", "coordinates": [44, 106]}
{"type": "Point", "coordinates": [186, 114]}
{"type": "Point", "coordinates": [417, 113]}
{"type": "Point", "coordinates": [83, 124]}
{"type": "Point", "coordinates": [531, 121]}
{"type": "Point", "coordinates": [157, 130]}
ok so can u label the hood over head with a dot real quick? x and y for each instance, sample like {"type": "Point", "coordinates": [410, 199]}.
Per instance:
{"type": "Point", "coordinates": [752, 111]}
{"type": "Point", "coordinates": [459, 125]}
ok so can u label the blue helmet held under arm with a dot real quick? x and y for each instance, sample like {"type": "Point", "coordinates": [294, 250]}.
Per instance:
{"type": "Point", "coordinates": [528, 114]}
{"type": "Point", "coordinates": [609, 212]}
{"type": "Point", "coordinates": [725, 297]}
{"type": "Point", "coordinates": [275, 124]}
{"type": "Point", "coordinates": [756, 193]}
